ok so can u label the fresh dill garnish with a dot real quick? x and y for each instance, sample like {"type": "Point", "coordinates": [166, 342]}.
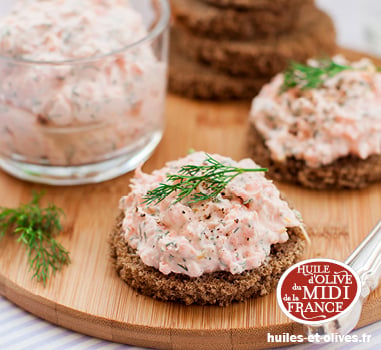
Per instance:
{"type": "Point", "coordinates": [310, 77]}
{"type": "Point", "coordinates": [184, 267]}
{"type": "Point", "coordinates": [36, 228]}
{"type": "Point", "coordinates": [212, 178]}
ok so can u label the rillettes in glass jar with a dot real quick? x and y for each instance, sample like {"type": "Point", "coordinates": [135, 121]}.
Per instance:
{"type": "Point", "coordinates": [88, 119]}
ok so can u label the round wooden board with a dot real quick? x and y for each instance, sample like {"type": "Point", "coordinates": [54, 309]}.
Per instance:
{"type": "Point", "coordinates": [88, 297]}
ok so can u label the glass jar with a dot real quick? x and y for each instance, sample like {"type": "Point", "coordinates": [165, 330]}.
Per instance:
{"type": "Point", "coordinates": [86, 120]}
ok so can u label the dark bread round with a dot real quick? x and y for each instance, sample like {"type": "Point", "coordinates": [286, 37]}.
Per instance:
{"type": "Point", "coordinates": [278, 5]}
{"type": "Point", "coordinates": [197, 80]}
{"type": "Point", "coordinates": [313, 36]}
{"type": "Point", "coordinates": [220, 288]}
{"type": "Point", "coordinates": [213, 22]}
{"type": "Point", "coordinates": [346, 172]}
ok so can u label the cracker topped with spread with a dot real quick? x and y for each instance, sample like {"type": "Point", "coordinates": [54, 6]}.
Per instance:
{"type": "Point", "coordinates": [231, 230]}
{"type": "Point", "coordinates": [319, 125]}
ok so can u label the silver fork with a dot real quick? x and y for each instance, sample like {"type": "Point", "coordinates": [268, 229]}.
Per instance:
{"type": "Point", "coordinates": [366, 261]}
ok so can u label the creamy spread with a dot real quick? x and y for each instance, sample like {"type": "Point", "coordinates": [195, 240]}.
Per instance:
{"type": "Point", "coordinates": [232, 233]}
{"type": "Point", "coordinates": [76, 112]}
{"type": "Point", "coordinates": [340, 118]}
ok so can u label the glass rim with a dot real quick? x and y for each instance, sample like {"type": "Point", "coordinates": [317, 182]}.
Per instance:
{"type": "Point", "coordinates": [159, 27]}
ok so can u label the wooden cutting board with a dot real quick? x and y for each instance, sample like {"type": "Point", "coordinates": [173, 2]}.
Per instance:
{"type": "Point", "coordinates": [88, 297]}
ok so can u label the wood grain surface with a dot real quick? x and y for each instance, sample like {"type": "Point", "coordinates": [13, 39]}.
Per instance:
{"type": "Point", "coordinates": [88, 297]}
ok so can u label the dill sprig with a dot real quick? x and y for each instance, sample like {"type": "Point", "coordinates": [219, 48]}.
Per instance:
{"type": "Point", "coordinates": [36, 228]}
{"type": "Point", "coordinates": [310, 77]}
{"type": "Point", "coordinates": [212, 177]}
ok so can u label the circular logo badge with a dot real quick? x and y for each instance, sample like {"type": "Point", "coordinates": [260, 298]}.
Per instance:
{"type": "Point", "coordinates": [318, 290]}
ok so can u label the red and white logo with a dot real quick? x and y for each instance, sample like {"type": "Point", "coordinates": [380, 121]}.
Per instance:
{"type": "Point", "coordinates": [318, 290]}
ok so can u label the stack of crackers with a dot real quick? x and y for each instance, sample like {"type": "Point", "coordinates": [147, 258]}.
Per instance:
{"type": "Point", "coordinates": [228, 49]}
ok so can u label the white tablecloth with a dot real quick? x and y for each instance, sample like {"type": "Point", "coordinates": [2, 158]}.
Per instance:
{"type": "Point", "coordinates": [20, 330]}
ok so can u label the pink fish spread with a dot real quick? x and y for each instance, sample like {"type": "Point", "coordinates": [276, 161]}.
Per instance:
{"type": "Point", "coordinates": [340, 118]}
{"type": "Point", "coordinates": [233, 232]}
{"type": "Point", "coordinates": [63, 112]}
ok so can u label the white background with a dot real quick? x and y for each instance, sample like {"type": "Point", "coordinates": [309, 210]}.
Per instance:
{"type": "Point", "coordinates": [353, 20]}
